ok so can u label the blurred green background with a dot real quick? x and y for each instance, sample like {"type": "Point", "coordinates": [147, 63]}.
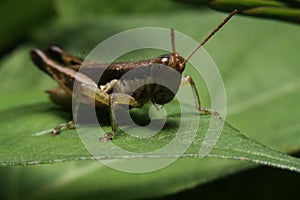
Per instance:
{"type": "Point", "coordinates": [258, 59]}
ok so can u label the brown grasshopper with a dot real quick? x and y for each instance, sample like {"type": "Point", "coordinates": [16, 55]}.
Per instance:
{"type": "Point", "coordinates": [64, 67]}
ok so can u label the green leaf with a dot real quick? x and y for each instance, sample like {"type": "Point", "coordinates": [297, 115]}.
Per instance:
{"type": "Point", "coordinates": [259, 80]}
{"type": "Point", "coordinates": [30, 143]}
{"type": "Point", "coordinates": [285, 10]}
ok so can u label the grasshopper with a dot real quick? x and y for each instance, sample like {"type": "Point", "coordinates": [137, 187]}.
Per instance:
{"type": "Point", "coordinates": [63, 68]}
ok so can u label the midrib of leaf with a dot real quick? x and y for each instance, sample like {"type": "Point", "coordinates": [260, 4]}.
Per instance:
{"type": "Point", "coordinates": [293, 165]}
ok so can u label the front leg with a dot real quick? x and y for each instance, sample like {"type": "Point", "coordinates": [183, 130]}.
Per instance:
{"type": "Point", "coordinates": [188, 80]}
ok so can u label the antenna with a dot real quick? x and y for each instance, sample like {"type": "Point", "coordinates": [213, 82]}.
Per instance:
{"type": "Point", "coordinates": [173, 43]}
{"type": "Point", "coordinates": [210, 35]}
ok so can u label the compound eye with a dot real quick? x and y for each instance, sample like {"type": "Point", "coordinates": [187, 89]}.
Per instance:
{"type": "Point", "coordinates": [164, 60]}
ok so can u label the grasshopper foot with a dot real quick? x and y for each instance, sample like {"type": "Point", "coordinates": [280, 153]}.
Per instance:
{"type": "Point", "coordinates": [62, 127]}
{"type": "Point", "coordinates": [107, 137]}
{"type": "Point", "coordinates": [207, 111]}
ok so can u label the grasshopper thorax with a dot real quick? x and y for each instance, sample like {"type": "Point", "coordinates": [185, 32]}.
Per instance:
{"type": "Point", "coordinates": [173, 60]}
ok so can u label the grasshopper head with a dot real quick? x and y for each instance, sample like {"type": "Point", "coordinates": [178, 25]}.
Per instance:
{"type": "Point", "coordinates": [173, 60]}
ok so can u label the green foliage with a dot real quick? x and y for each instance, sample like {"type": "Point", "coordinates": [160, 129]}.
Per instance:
{"type": "Point", "coordinates": [285, 10]}
{"type": "Point", "coordinates": [258, 61]}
